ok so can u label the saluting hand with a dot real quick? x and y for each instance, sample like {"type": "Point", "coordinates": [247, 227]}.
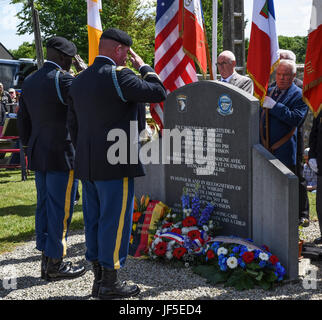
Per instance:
{"type": "Point", "coordinates": [136, 60]}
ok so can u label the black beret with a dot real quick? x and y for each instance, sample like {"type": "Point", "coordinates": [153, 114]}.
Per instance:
{"type": "Point", "coordinates": [117, 35]}
{"type": "Point", "coordinates": [63, 45]}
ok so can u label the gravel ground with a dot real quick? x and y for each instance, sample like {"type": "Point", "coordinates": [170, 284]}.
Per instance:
{"type": "Point", "coordinates": [157, 281]}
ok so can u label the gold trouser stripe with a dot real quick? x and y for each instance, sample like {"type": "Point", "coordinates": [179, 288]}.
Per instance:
{"type": "Point", "coordinates": [67, 208]}
{"type": "Point", "coordinates": [116, 257]}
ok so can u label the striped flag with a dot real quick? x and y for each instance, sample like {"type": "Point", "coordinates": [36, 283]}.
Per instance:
{"type": "Point", "coordinates": [263, 48]}
{"type": "Point", "coordinates": [173, 62]}
{"type": "Point", "coordinates": [312, 81]}
{"type": "Point", "coordinates": [94, 28]}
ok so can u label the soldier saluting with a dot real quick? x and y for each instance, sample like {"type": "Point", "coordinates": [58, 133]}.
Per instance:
{"type": "Point", "coordinates": [109, 96]}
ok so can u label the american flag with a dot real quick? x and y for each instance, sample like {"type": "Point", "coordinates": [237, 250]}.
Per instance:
{"type": "Point", "coordinates": [173, 65]}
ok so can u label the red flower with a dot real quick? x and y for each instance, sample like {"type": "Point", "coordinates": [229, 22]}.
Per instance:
{"type": "Point", "coordinates": [161, 248]}
{"type": "Point", "coordinates": [266, 247]}
{"type": "Point", "coordinates": [194, 234]}
{"type": "Point", "coordinates": [167, 225]}
{"type": "Point", "coordinates": [248, 257]}
{"type": "Point", "coordinates": [136, 216]}
{"type": "Point", "coordinates": [210, 254]}
{"type": "Point", "coordinates": [189, 221]}
{"type": "Point", "coordinates": [179, 252]}
{"type": "Point", "coordinates": [176, 230]}
{"type": "Point", "coordinates": [273, 259]}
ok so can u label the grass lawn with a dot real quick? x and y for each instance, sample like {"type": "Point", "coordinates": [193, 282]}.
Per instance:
{"type": "Point", "coordinates": [18, 205]}
{"type": "Point", "coordinates": [17, 209]}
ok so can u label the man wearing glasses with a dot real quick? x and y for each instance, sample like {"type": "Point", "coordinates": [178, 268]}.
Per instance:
{"type": "Point", "coordinates": [226, 64]}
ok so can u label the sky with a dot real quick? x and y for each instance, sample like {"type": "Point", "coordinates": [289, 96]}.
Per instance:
{"type": "Point", "coordinates": [292, 19]}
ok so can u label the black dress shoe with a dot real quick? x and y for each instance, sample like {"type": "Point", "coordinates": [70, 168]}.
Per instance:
{"type": "Point", "coordinates": [112, 288]}
{"type": "Point", "coordinates": [318, 240]}
{"type": "Point", "coordinates": [97, 270]}
{"type": "Point", "coordinates": [304, 222]}
{"type": "Point", "coordinates": [58, 269]}
{"type": "Point", "coordinates": [43, 265]}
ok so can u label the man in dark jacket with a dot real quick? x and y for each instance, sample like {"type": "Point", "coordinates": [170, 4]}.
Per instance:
{"type": "Point", "coordinates": [287, 111]}
{"type": "Point", "coordinates": [106, 100]}
{"type": "Point", "coordinates": [42, 124]}
{"type": "Point", "coordinates": [315, 162]}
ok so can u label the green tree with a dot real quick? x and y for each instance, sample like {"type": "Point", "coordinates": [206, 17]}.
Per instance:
{"type": "Point", "coordinates": [296, 44]}
{"type": "Point", "coordinates": [207, 11]}
{"type": "Point", "coordinates": [69, 19]}
{"type": "Point", "coordinates": [26, 50]}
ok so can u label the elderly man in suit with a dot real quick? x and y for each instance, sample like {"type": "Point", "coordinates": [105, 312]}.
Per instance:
{"type": "Point", "coordinates": [107, 97]}
{"type": "Point", "coordinates": [226, 64]}
{"type": "Point", "coordinates": [287, 112]}
{"type": "Point", "coordinates": [42, 124]}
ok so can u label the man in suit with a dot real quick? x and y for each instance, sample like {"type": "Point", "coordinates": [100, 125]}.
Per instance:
{"type": "Point", "coordinates": [304, 205]}
{"type": "Point", "coordinates": [42, 124]}
{"type": "Point", "coordinates": [287, 111]}
{"type": "Point", "coordinates": [106, 99]}
{"type": "Point", "coordinates": [226, 64]}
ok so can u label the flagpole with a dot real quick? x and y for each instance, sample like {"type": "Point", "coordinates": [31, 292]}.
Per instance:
{"type": "Point", "coordinates": [267, 128]}
{"type": "Point", "coordinates": [208, 56]}
{"type": "Point", "coordinates": [214, 36]}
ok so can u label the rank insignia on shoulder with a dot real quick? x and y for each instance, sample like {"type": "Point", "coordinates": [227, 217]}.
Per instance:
{"type": "Point", "coordinates": [61, 70]}
{"type": "Point", "coordinates": [151, 74]}
{"type": "Point", "coordinates": [120, 68]}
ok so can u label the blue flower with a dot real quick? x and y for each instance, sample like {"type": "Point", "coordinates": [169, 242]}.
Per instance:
{"type": "Point", "coordinates": [185, 201]}
{"type": "Point", "coordinates": [256, 253]}
{"type": "Point", "coordinates": [222, 262]}
{"type": "Point", "coordinates": [241, 263]}
{"type": "Point", "coordinates": [235, 249]}
{"type": "Point", "coordinates": [262, 264]}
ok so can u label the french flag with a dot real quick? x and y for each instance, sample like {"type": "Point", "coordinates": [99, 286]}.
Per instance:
{"type": "Point", "coordinates": [263, 48]}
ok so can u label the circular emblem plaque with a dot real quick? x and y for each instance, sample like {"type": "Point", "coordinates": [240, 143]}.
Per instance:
{"type": "Point", "coordinates": [225, 105]}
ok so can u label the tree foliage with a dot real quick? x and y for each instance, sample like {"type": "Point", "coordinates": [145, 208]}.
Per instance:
{"type": "Point", "coordinates": [69, 19]}
{"type": "Point", "coordinates": [296, 44]}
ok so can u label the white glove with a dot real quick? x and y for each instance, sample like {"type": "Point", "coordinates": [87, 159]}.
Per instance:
{"type": "Point", "coordinates": [269, 103]}
{"type": "Point", "coordinates": [313, 164]}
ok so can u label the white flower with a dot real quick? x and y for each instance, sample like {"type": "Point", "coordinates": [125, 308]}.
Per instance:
{"type": "Point", "coordinates": [232, 262]}
{"type": "Point", "coordinates": [185, 230]}
{"type": "Point", "coordinates": [174, 215]}
{"type": "Point", "coordinates": [205, 228]}
{"type": "Point", "coordinates": [222, 250]}
{"type": "Point", "coordinates": [263, 256]}
{"type": "Point", "coordinates": [211, 226]}
{"type": "Point", "coordinates": [169, 255]}
{"type": "Point", "coordinates": [169, 215]}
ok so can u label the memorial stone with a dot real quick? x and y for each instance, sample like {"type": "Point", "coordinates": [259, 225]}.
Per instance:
{"type": "Point", "coordinates": [219, 126]}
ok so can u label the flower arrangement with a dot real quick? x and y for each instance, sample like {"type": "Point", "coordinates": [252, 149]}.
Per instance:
{"type": "Point", "coordinates": [138, 209]}
{"type": "Point", "coordinates": [190, 239]}
{"type": "Point", "coordinates": [181, 236]}
{"type": "Point", "coordinates": [240, 265]}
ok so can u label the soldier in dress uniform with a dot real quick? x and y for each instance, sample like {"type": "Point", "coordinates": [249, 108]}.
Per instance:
{"type": "Point", "coordinates": [109, 96]}
{"type": "Point", "coordinates": [42, 124]}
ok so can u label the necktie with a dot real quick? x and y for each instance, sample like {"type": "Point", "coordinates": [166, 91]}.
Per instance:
{"type": "Point", "coordinates": [277, 92]}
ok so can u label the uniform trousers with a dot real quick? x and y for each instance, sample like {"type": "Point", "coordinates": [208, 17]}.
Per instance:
{"type": "Point", "coordinates": [56, 192]}
{"type": "Point", "coordinates": [108, 211]}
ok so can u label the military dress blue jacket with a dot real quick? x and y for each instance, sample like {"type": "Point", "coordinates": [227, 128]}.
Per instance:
{"type": "Point", "coordinates": [96, 108]}
{"type": "Point", "coordinates": [288, 113]}
{"type": "Point", "coordinates": [42, 120]}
